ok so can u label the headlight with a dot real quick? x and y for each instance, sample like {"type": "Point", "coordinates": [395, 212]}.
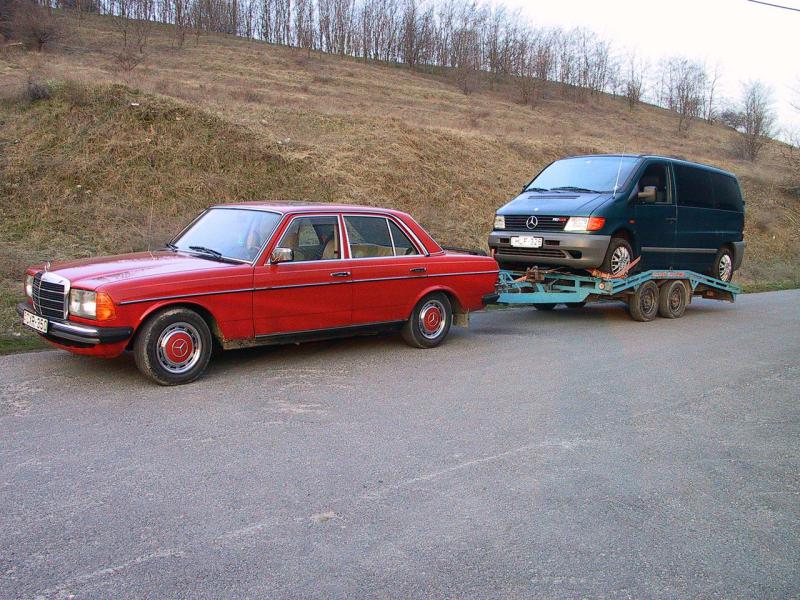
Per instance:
{"type": "Point", "coordinates": [584, 224]}
{"type": "Point", "coordinates": [83, 303]}
{"type": "Point", "coordinates": [29, 286]}
{"type": "Point", "coordinates": [499, 222]}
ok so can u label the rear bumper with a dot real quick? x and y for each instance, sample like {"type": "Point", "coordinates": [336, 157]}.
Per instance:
{"type": "Point", "coordinates": [66, 333]}
{"type": "Point", "coordinates": [580, 250]}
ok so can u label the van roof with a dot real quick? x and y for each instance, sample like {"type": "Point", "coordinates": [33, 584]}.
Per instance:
{"type": "Point", "coordinates": [673, 159]}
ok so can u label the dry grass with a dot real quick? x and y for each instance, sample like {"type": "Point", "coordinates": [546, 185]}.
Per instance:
{"type": "Point", "coordinates": [81, 171]}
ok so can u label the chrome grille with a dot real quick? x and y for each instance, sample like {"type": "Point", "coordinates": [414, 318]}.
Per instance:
{"type": "Point", "coordinates": [544, 223]}
{"type": "Point", "coordinates": [49, 296]}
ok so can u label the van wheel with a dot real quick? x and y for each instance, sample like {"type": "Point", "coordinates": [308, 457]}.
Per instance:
{"type": "Point", "coordinates": [643, 305]}
{"type": "Point", "coordinates": [430, 321]}
{"type": "Point", "coordinates": [173, 347]}
{"type": "Point", "coordinates": [723, 265]}
{"type": "Point", "coordinates": [672, 299]}
{"type": "Point", "coordinates": [618, 256]}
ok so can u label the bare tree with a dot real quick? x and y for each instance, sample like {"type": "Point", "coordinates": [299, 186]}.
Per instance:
{"type": "Point", "coordinates": [712, 81]}
{"type": "Point", "coordinates": [634, 83]}
{"type": "Point", "coordinates": [758, 118]}
{"type": "Point", "coordinates": [33, 25]}
{"type": "Point", "coordinates": [683, 84]}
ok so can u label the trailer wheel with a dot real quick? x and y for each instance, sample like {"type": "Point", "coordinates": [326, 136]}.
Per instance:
{"type": "Point", "coordinates": [544, 306]}
{"type": "Point", "coordinates": [643, 305]}
{"type": "Point", "coordinates": [430, 321]}
{"type": "Point", "coordinates": [672, 299]}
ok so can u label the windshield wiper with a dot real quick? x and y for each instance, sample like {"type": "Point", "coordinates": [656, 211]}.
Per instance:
{"type": "Point", "coordinates": [569, 188]}
{"type": "Point", "coordinates": [535, 189]}
{"type": "Point", "coordinates": [211, 253]}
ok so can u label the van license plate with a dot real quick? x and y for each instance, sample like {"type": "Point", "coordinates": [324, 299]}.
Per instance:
{"type": "Point", "coordinates": [526, 241]}
{"type": "Point", "coordinates": [34, 322]}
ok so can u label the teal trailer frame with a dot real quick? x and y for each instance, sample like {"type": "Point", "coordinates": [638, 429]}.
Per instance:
{"type": "Point", "coordinates": [552, 287]}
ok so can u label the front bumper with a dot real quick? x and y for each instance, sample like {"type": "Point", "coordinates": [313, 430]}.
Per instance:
{"type": "Point", "coordinates": [579, 250]}
{"type": "Point", "coordinates": [67, 333]}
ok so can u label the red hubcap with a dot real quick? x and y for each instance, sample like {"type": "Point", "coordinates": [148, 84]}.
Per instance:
{"type": "Point", "coordinates": [432, 319]}
{"type": "Point", "coordinates": [179, 347]}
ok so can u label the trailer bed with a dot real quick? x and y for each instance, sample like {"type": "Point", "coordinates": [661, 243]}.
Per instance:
{"type": "Point", "coordinates": [648, 294]}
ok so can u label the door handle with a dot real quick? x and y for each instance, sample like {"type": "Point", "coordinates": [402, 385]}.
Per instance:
{"type": "Point", "coordinates": [671, 219]}
{"type": "Point", "coordinates": [341, 274]}
{"type": "Point", "coordinates": [419, 270]}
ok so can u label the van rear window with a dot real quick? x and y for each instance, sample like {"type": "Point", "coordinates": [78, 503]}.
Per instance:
{"type": "Point", "coordinates": [694, 187]}
{"type": "Point", "coordinates": [727, 195]}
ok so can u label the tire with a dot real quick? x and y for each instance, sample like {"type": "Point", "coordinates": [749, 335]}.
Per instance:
{"type": "Point", "coordinates": [544, 306]}
{"type": "Point", "coordinates": [672, 299]}
{"type": "Point", "coordinates": [173, 347]}
{"type": "Point", "coordinates": [643, 305]}
{"type": "Point", "coordinates": [618, 255]}
{"type": "Point", "coordinates": [430, 321]}
{"type": "Point", "coordinates": [575, 304]}
{"type": "Point", "coordinates": [723, 265]}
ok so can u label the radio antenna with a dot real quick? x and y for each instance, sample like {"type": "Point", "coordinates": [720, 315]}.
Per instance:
{"type": "Point", "coordinates": [150, 224]}
{"type": "Point", "coordinates": [619, 169]}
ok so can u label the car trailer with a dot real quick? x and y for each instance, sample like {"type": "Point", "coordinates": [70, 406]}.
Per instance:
{"type": "Point", "coordinates": [647, 294]}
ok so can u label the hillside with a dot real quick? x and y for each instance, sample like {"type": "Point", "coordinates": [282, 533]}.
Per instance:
{"type": "Point", "coordinates": [228, 119]}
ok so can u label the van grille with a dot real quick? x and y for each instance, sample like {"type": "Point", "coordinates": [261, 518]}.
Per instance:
{"type": "Point", "coordinates": [49, 298]}
{"type": "Point", "coordinates": [544, 223]}
{"type": "Point", "coordinates": [540, 252]}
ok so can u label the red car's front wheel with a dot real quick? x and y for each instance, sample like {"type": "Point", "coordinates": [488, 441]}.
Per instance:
{"type": "Point", "coordinates": [173, 347]}
{"type": "Point", "coordinates": [430, 321]}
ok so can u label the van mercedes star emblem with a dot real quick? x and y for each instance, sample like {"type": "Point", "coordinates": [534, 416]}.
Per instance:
{"type": "Point", "coordinates": [532, 222]}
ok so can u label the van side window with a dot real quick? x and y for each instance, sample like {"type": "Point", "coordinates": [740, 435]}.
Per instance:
{"type": "Point", "coordinates": [727, 195]}
{"type": "Point", "coordinates": [694, 187]}
{"type": "Point", "coordinates": [656, 175]}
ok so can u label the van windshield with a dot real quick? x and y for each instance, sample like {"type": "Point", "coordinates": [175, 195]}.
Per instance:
{"type": "Point", "coordinates": [585, 174]}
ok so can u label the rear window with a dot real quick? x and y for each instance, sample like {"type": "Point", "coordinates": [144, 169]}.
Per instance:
{"type": "Point", "coordinates": [727, 195]}
{"type": "Point", "coordinates": [694, 187]}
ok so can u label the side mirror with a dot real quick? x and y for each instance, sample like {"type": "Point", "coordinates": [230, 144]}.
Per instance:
{"type": "Point", "coordinates": [648, 195]}
{"type": "Point", "coordinates": [280, 255]}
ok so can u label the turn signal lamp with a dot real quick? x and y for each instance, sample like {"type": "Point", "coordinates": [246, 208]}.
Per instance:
{"type": "Point", "coordinates": [105, 307]}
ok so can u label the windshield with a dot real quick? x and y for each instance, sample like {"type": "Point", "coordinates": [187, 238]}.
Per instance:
{"type": "Point", "coordinates": [585, 174]}
{"type": "Point", "coordinates": [229, 232]}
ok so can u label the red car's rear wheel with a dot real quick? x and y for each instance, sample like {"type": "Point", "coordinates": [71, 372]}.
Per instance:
{"type": "Point", "coordinates": [430, 321]}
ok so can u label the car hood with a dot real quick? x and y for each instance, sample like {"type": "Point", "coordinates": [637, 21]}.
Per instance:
{"type": "Point", "coordinates": [91, 273]}
{"type": "Point", "coordinates": [561, 204]}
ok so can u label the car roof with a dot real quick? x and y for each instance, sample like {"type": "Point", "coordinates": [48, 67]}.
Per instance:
{"type": "Point", "coordinates": [286, 207]}
{"type": "Point", "coordinates": [673, 159]}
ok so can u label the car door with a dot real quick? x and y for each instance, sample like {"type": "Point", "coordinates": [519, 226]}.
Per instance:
{"type": "Point", "coordinates": [698, 233]}
{"type": "Point", "coordinates": [656, 220]}
{"type": "Point", "coordinates": [309, 292]}
{"type": "Point", "coordinates": [389, 269]}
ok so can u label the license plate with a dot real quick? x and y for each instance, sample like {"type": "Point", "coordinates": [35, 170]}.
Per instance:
{"type": "Point", "coordinates": [34, 322]}
{"type": "Point", "coordinates": [526, 241]}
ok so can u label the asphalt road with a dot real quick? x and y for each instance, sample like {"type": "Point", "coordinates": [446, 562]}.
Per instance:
{"type": "Point", "coordinates": [567, 454]}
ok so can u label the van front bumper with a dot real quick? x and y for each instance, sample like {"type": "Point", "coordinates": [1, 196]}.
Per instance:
{"type": "Point", "coordinates": [578, 250]}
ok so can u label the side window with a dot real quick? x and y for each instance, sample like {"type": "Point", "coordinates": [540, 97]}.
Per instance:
{"type": "Point", "coordinates": [369, 237]}
{"type": "Point", "coordinates": [657, 176]}
{"type": "Point", "coordinates": [312, 238]}
{"type": "Point", "coordinates": [694, 187]}
{"type": "Point", "coordinates": [727, 195]}
{"type": "Point", "coordinates": [402, 245]}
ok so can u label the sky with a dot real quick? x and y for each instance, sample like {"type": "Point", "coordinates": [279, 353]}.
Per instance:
{"type": "Point", "coordinates": [749, 41]}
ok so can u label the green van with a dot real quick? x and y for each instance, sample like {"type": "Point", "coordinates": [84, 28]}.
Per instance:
{"type": "Point", "coordinates": [603, 211]}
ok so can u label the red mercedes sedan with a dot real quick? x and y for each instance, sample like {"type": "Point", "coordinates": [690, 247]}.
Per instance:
{"type": "Point", "coordinates": [258, 273]}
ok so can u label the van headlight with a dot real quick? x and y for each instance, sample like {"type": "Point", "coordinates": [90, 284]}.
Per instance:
{"type": "Point", "coordinates": [29, 286]}
{"type": "Point", "coordinates": [499, 222]}
{"type": "Point", "coordinates": [584, 224]}
{"type": "Point", "coordinates": [83, 303]}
